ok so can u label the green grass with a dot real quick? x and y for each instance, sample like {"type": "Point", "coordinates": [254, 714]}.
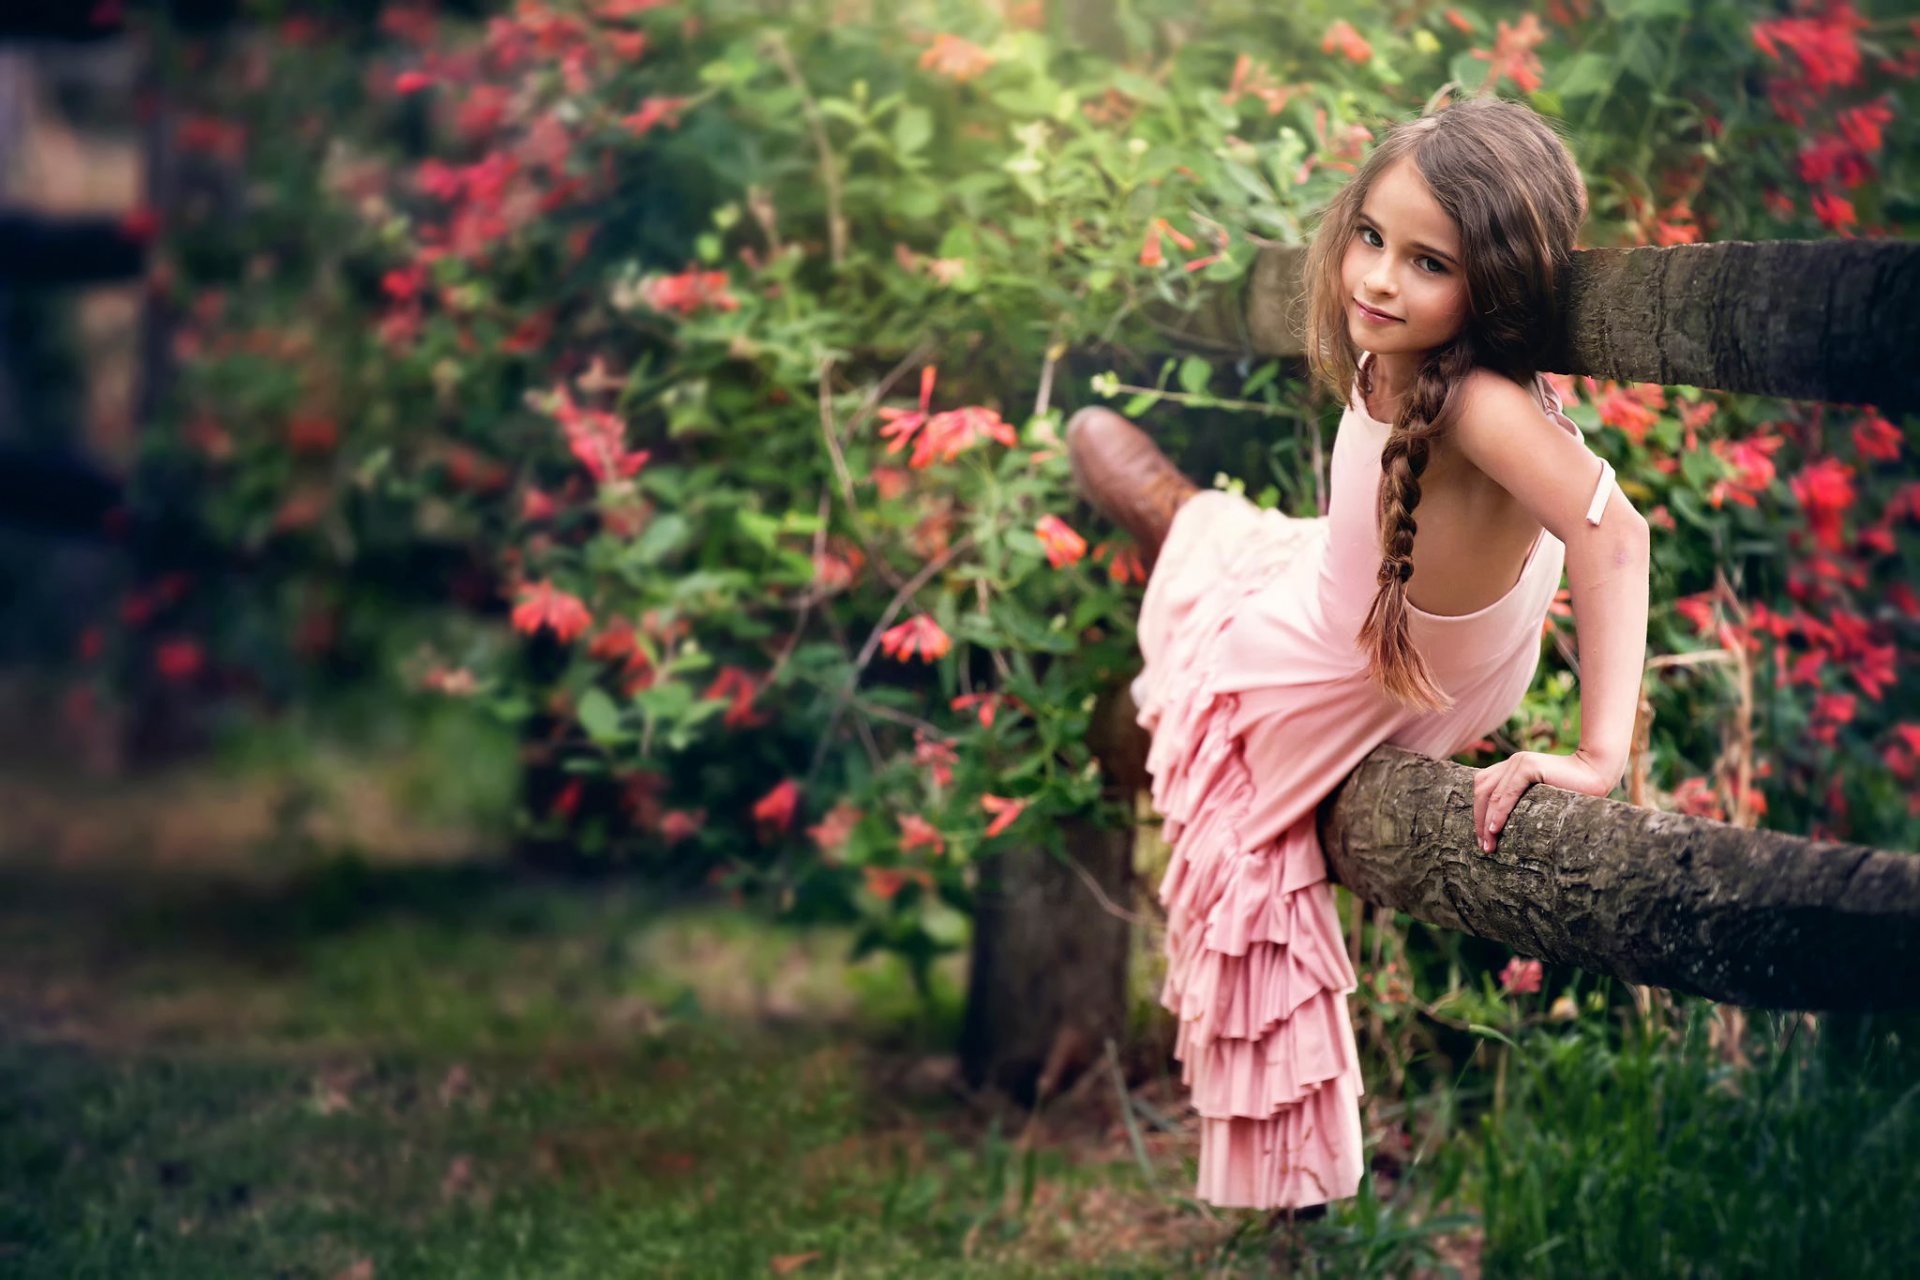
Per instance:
{"type": "Point", "coordinates": [1643, 1155]}
{"type": "Point", "coordinates": [457, 1070]}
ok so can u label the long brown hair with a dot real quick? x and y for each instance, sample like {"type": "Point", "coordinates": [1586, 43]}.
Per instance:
{"type": "Point", "coordinates": [1515, 194]}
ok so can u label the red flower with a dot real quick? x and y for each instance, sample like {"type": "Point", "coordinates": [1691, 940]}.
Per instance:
{"type": "Point", "coordinates": [831, 832]}
{"type": "Point", "coordinates": [312, 435]}
{"type": "Point", "coordinates": [988, 703]}
{"type": "Point", "coordinates": [899, 425]}
{"type": "Point", "coordinates": [916, 833]}
{"type": "Point", "coordinates": [536, 506]}
{"type": "Point", "coordinates": [688, 292]}
{"type": "Point", "coordinates": [918, 634]}
{"type": "Point", "coordinates": [1861, 125]}
{"type": "Point", "coordinates": [1520, 976]}
{"type": "Point", "coordinates": [740, 685]}
{"type": "Point", "coordinates": [1824, 44]}
{"type": "Point", "coordinates": [1830, 711]}
{"type": "Point", "coordinates": [1876, 438]}
{"type": "Point", "coordinates": [936, 755]}
{"type": "Point", "coordinates": [1007, 811]}
{"type": "Point", "coordinates": [678, 824]}
{"type": "Point", "coordinates": [1124, 564]}
{"type": "Point", "coordinates": [885, 882]}
{"type": "Point", "coordinates": [544, 605]}
{"type": "Point", "coordinates": [179, 659]}
{"type": "Point", "coordinates": [774, 810]}
{"type": "Point", "coordinates": [412, 82]}
{"type": "Point", "coordinates": [1825, 491]}
{"type": "Point", "coordinates": [653, 111]}
{"type": "Point", "coordinates": [951, 433]}
{"type": "Point", "coordinates": [597, 439]}
{"type": "Point", "coordinates": [1063, 545]}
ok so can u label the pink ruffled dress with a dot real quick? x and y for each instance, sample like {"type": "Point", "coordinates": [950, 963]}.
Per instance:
{"type": "Point", "coordinates": [1259, 705]}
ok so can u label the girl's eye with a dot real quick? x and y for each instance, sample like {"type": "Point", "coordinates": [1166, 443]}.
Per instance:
{"type": "Point", "coordinates": [1439, 268]}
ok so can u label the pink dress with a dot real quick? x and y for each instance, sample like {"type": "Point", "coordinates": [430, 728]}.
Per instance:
{"type": "Point", "coordinates": [1259, 705]}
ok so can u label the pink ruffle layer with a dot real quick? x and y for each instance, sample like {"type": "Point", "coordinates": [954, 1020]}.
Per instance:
{"type": "Point", "coordinates": [1257, 972]}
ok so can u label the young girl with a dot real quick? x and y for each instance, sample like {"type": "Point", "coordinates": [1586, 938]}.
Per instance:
{"type": "Point", "coordinates": [1280, 651]}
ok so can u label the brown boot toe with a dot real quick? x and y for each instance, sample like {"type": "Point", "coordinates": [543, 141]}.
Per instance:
{"type": "Point", "coordinates": [1122, 472]}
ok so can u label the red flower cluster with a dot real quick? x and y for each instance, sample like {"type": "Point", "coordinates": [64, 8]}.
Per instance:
{"type": "Point", "coordinates": [688, 292]}
{"type": "Point", "coordinates": [940, 437]}
{"type": "Point", "coordinates": [918, 634]}
{"type": "Point", "coordinates": [544, 605]}
{"type": "Point", "coordinates": [1063, 545]}
{"type": "Point", "coordinates": [598, 439]}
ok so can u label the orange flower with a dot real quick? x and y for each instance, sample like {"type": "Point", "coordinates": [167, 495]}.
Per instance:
{"type": "Point", "coordinates": [774, 810]}
{"type": "Point", "coordinates": [916, 832]}
{"type": "Point", "coordinates": [1150, 255]}
{"type": "Point", "coordinates": [1006, 811]}
{"type": "Point", "coordinates": [1349, 42]}
{"type": "Point", "coordinates": [544, 605]}
{"type": "Point", "coordinates": [1512, 55]}
{"type": "Point", "coordinates": [951, 433]}
{"type": "Point", "coordinates": [918, 634]}
{"type": "Point", "coordinates": [1124, 565]}
{"type": "Point", "coordinates": [1063, 545]}
{"type": "Point", "coordinates": [884, 882]}
{"type": "Point", "coordinates": [959, 59]}
{"type": "Point", "coordinates": [689, 291]}
{"type": "Point", "coordinates": [988, 704]}
{"type": "Point", "coordinates": [899, 425]}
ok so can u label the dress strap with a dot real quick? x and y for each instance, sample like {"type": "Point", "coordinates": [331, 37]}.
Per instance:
{"type": "Point", "coordinates": [1600, 492]}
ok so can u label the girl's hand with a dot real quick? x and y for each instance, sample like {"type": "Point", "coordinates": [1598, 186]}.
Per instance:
{"type": "Point", "coordinates": [1498, 787]}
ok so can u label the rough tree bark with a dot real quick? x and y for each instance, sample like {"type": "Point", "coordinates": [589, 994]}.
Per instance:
{"type": "Point", "coordinates": [1829, 320]}
{"type": "Point", "coordinates": [1048, 980]}
{"type": "Point", "coordinates": [1757, 918]}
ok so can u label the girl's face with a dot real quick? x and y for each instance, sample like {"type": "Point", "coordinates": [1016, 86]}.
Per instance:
{"type": "Point", "coordinates": [1403, 261]}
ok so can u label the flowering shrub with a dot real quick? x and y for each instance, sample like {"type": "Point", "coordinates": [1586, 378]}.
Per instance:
{"type": "Point", "coordinates": [736, 349]}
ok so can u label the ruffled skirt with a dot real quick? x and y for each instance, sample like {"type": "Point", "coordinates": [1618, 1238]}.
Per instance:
{"type": "Point", "coordinates": [1257, 973]}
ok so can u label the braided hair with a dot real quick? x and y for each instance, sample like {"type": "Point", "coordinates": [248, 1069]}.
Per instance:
{"type": "Point", "coordinates": [1514, 192]}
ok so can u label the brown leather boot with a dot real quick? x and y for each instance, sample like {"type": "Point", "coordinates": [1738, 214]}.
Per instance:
{"type": "Point", "coordinates": [1123, 473]}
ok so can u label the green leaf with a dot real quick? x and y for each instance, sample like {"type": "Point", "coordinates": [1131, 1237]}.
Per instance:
{"type": "Point", "coordinates": [912, 129]}
{"type": "Point", "coordinates": [1195, 373]}
{"type": "Point", "coordinates": [599, 717]}
{"type": "Point", "coordinates": [759, 527]}
{"type": "Point", "coordinates": [1491, 1033]}
{"type": "Point", "coordinates": [664, 535]}
{"type": "Point", "coordinates": [1260, 378]}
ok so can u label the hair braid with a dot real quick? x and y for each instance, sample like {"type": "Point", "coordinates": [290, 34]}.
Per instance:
{"type": "Point", "coordinates": [1387, 634]}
